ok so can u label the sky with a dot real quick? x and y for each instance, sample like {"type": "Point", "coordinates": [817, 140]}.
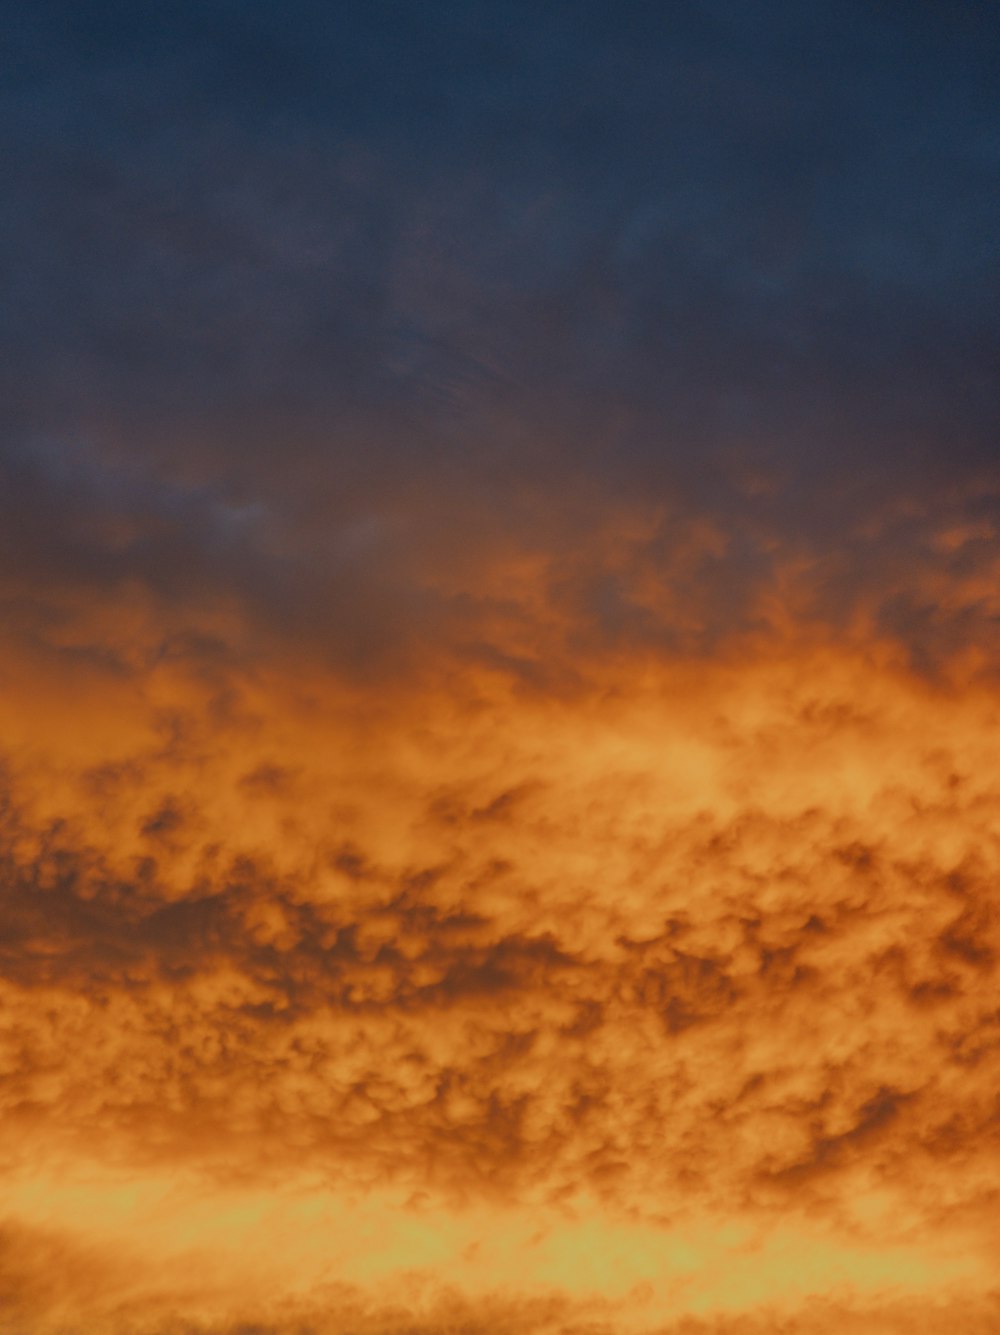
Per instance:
{"type": "Point", "coordinates": [499, 668]}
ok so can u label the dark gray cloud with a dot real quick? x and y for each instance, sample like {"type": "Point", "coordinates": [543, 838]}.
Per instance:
{"type": "Point", "coordinates": [418, 272]}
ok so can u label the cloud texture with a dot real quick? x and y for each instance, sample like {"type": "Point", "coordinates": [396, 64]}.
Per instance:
{"type": "Point", "coordinates": [499, 671]}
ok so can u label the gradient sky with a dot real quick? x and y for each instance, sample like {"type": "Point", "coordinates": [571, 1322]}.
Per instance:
{"type": "Point", "coordinates": [500, 668]}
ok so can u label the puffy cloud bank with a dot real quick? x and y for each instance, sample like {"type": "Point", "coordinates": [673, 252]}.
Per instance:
{"type": "Point", "coordinates": [499, 671]}
{"type": "Point", "coordinates": [663, 998]}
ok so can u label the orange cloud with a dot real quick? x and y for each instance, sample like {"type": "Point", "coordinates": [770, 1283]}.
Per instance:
{"type": "Point", "coordinates": [661, 1003]}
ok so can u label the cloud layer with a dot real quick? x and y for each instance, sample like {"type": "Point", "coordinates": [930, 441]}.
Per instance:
{"type": "Point", "coordinates": [640, 977]}
{"type": "Point", "coordinates": [498, 670]}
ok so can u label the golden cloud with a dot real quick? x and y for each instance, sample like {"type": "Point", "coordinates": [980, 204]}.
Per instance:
{"type": "Point", "coordinates": [661, 1002]}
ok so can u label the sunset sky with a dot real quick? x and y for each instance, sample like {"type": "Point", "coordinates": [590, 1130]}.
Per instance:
{"type": "Point", "coordinates": [500, 668]}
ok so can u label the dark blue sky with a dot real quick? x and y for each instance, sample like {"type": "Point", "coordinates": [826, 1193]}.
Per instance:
{"type": "Point", "coordinates": [278, 271]}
